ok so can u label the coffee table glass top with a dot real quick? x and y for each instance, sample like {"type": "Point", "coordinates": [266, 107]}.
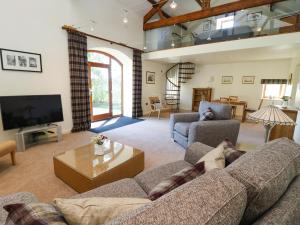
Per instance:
{"type": "Point", "coordinates": [86, 162]}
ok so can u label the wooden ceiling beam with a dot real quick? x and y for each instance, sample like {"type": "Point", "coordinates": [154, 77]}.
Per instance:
{"type": "Point", "coordinates": [208, 12]}
{"type": "Point", "coordinates": [154, 10]}
{"type": "Point", "coordinates": [164, 14]}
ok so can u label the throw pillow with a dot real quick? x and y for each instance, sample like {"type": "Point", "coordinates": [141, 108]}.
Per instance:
{"type": "Point", "coordinates": [230, 152]}
{"type": "Point", "coordinates": [207, 115]}
{"type": "Point", "coordinates": [33, 214]}
{"type": "Point", "coordinates": [214, 159]}
{"type": "Point", "coordinates": [96, 210]}
{"type": "Point", "coordinates": [183, 176]}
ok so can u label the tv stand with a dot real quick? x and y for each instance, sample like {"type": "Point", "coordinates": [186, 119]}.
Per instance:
{"type": "Point", "coordinates": [27, 137]}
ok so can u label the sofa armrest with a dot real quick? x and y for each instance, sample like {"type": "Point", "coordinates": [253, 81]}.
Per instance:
{"type": "Point", "coordinates": [182, 117]}
{"type": "Point", "coordinates": [196, 151]}
{"type": "Point", "coordinates": [212, 133]}
{"type": "Point", "coordinates": [21, 197]}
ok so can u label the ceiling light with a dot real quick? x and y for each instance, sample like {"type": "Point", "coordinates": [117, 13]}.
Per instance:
{"type": "Point", "coordinates": [173, 5]}
{"type": "Point", "coordinates": [92, 28]}
{"type": "Point", "coordinates": [173, 44]}
{"type": "Point", "coordinates": [259, 29]}
{"type": "Point", "coordinates": [145, 47]}
{"type": "Point", "coordinates": [125, 19]}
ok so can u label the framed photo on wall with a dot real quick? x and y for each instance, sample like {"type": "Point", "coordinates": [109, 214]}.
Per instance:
{"type": "Point", "coordinates": [227, 79]}
{"type": "Point", "coordinates": [207, 25]}
{"type": "Point", "coordinates": [150, 77]}
{"type": "Point", "coordinates": [248, 79]}
{"type": "Point", "coordinates": [21, 61]}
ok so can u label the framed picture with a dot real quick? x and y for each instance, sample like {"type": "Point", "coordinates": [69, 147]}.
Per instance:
{"type": "Point", "coordinates": [150, 77]}
{"type": "Point", "coordinates": [248, 79]}
{"type": "Point", "coordinates": [227, 79]}
{"type": "Point", "coordinates": [207, 25]}
{"type": "Point", "coordinates": [256, 16]}
{"type": "Point", "coordinates": [21, 61]}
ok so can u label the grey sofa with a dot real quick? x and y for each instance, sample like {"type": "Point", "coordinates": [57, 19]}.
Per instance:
{"type": "Point", "coordinates": [260, 188]}
{"type": "Point", "coordinates": [186, 128]}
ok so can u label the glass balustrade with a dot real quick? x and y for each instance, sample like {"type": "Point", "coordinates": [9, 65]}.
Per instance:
{"type": "Point", "coordinates": [278, 18]}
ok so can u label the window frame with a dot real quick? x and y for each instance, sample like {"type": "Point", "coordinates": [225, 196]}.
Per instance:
{"type": "Point", "coordinates": [282, 91]}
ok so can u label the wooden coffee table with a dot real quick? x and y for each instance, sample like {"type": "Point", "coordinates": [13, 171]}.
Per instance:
{"type": "Point", "coordinates": [83, 170]}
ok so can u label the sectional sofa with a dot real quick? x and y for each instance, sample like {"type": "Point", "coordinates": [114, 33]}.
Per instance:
{"type": "Point", "coordinates": [262, 187]}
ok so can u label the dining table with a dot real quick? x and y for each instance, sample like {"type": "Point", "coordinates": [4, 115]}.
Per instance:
{"type": "Point", "coordinates": [243, 104]}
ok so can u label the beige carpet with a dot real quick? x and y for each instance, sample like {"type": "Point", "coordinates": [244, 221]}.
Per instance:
{"type": "Point", "coordinates": [34, 170]}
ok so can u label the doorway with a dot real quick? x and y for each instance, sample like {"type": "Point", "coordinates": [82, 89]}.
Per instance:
{"type": "Point", "coordinates": [106, 85]}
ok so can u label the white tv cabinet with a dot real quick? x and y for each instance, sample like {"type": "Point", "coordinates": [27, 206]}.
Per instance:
{"type": "Point", "coordinates": [28, 137]}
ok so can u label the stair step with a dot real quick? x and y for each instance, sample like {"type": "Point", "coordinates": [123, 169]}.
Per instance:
{"type": "Point", "coordinates": [186, 77]}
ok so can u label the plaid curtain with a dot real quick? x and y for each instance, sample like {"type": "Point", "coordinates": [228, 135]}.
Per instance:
{"type": "Point", "coordinates": [79, 81]}
{"type": "Point", "coordinates": [137, 84]}
{"type": "Point", "coordinates": [274, 81]}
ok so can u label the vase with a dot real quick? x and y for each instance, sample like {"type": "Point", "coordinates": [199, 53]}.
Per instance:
{"type": "Point", "coordinates": [99, 150]}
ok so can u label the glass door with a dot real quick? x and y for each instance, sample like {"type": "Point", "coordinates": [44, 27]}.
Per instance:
{"type": "Point", "coordinates": [100, 96]}
{"type": "Point", "coordinates": [106, 86]}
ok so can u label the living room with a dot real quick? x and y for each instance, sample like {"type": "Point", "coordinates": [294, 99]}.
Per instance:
{"type": "Point", "coordinates": [111, 145]}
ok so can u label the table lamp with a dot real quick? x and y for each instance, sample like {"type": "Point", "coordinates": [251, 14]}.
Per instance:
{"type": "Point", "coordinates": [271, 116]}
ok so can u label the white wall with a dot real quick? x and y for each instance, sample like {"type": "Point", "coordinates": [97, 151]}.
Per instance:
{"type": "Point", "coordinates": [35, 26]}
{"type": "Point", "coordinates": [210, 76]}
{"type": "Point", "coordinates": [157, 89]}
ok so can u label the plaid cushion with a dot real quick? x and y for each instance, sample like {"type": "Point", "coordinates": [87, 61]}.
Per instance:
{"type": "Point", "coordinates": [33, 214]}
{"type": "Point", "coordinates": [182, 177]}
{"type": "Point", "coordinates": [207, 115]}
{"type": "Point", "coordinates": [230, 152]}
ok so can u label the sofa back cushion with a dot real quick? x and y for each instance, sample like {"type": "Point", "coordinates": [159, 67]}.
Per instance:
{"type": "Point", "coordinates": [266, 173]}
{"type": "Point", "coordinates": [213, 198]}
{"type": "Point", "coordinates": [221, 111]}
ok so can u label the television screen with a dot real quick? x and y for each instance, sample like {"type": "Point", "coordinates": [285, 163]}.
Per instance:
{"type": "Point", "coordinates": [26, 111]}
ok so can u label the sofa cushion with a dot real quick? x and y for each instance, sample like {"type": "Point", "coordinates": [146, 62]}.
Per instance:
{"type": "Point", "coordinates": [230, 152]}
{"type": "Point", "coordinates": [123, 188]}
{"type": "Point", "coordinates": [213, 198]}
{"type": "Point", "coordinates": [33, 214]}
{"type": "Point", "coordinates": [214, 159]}
{"type": "Point", "coordinates": [266, 173]}
{"type": "Point", "coordinates": [150, 178]}
{"type": "Point", "coordinates": [97, 210]}
{"type": "Point", "coordinates": [207, 115]}
{"type": "Point", "coordinates": [21, 197]}
{"type": "Point", "coordinates": [182, 128]}
{"type": "Point", "coordinates": [183, 176]}
{"type": "Point", "coordinates": [286, 210]}
{"type": "Point", "coordinates": [221, 111]}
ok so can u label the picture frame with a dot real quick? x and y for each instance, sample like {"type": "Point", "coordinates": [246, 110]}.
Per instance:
{"type": "Point", "coordinates": [14, 60]}
{"type": "Point", "coordinates": [227, 79]}
{"type": "Point", "coordinates": [206, 25]}
{"type": "Point", "coordinates": [255, 16]}
{"type": "Point", "coordinates": [248, 79]}
{"type": "Point", "coordinates": [150, 77]}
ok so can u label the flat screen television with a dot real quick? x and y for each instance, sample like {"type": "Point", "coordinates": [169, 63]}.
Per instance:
{"type": "Point", "coordinates": [30, 110]}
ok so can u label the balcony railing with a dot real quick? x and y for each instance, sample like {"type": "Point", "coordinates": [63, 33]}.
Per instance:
{"type": "Point", "coordinates": [278, 18]}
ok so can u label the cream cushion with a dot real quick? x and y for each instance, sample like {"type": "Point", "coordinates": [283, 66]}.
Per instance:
{"type": "Point", "coordinates": [96, 210]}
{"type": "Point", "coordinates": [214, 159]}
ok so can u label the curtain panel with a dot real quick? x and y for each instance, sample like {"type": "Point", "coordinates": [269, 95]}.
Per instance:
{"type": "Point", "coordinates": [77, 44]}
{"type": "Point", "coordinates": [274, 81]}
{"type": "Point", "coordinates": [137, 84]}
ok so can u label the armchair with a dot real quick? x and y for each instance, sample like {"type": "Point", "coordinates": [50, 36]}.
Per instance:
{"type": "Point", "coordinates": [186, 128]}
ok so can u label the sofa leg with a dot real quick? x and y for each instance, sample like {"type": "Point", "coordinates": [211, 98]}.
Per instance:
{"type": "Point", "coordinates": [13, 157]}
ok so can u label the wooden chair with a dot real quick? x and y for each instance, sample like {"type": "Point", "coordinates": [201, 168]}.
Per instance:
{"type": "Point", "coordinates": [157, 106]}
{"type": "Point", "coordinates": [224, 99]}
{"type": "Point", "coordinates": [233, 98]}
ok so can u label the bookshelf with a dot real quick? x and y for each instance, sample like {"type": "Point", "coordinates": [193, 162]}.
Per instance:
{"type": "Point", "coordinates": [200, 94]}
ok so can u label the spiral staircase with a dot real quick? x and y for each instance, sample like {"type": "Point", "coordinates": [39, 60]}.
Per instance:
{"type": "Point", "coordinates": [178, 74]}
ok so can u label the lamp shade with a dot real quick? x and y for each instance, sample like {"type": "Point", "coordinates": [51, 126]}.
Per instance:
{"type": "Point", "coordinates": [271, 115]}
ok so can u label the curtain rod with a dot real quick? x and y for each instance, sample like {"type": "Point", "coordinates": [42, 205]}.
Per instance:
{"type": "Point", "coordinates": [70, 28]}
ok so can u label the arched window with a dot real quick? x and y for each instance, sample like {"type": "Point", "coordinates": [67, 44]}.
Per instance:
{"type": "Point", "coordinates": [106, 85]}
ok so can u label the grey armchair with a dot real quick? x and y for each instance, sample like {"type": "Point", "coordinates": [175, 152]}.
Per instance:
{"type": "Point", "coordinates": [186, 128]}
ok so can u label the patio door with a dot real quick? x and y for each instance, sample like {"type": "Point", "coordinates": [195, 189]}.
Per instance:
{"type": "Point", "coordinates": [105, 76]}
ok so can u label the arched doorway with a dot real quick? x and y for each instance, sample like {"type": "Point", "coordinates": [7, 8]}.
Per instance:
{"type": "Point", "coordinates": [106, 85]}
